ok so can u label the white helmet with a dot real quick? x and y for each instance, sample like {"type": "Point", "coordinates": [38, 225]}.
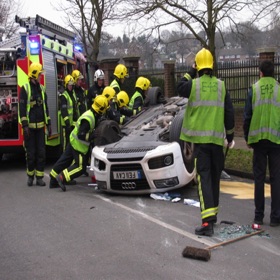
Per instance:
{"type": "Point", "coordinates": [99, 74]}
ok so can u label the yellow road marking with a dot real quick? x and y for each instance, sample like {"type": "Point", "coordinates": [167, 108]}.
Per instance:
{"type": "Point", "coordinates": [241, 190]}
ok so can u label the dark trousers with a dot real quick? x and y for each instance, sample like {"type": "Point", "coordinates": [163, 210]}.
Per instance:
{"type": "Point", "coordinates": [72, 163]}
{"type": "Point", "coordinates": [266, 152]}
{"type": "Point", "coordinates": [35, 152]}
{"type": "Point", "coordinates": [209, 160]}
{"type": "Point", "coordinates": [66, 136]}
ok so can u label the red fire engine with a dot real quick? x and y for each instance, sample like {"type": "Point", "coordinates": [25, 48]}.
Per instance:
{"type": "Point", "coordinates": [52, 46]}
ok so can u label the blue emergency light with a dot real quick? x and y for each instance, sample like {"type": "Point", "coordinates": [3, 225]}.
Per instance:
{"type": "Point", "coordinates": [34, 47]}
{"type": "Point", "coordinates": [78, 48]}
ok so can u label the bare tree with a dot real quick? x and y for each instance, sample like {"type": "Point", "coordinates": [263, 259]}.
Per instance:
{"type": "Point", "coordinates": [8, 10]}
{"type": "Point", "coordinates": [88, 18]}
{"type": "Point", "coordinates": [248, 36]}
{"type": "Point", "coordinates": [180, 43]}
{"type": "Point", "coordinates": [204, 19]}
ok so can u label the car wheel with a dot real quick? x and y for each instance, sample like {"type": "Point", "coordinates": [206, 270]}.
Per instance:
{"type": "Point", "coordinates": [154, 96]}
{"type": "Point", "coordinates": [187, 148]}
{"type": "Point", "coordinates": [108, 131]}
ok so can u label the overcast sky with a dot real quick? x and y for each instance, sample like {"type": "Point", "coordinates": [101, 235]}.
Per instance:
{"type": "Point", "coordinates": [43, 8]}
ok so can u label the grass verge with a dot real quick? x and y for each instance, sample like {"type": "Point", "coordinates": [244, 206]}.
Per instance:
{"type": "Point", "coordinates": [239, 160]}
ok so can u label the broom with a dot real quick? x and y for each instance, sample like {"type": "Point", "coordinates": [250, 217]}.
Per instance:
{"type": "Point", "coordinates": [205, 254]}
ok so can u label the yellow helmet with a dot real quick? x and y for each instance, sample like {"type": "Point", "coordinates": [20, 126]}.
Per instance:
{"type": "Point", "coordinates": [76, 74]}
{"type": "Point", "coordinates": [122, 99]}
{"type": "Point", "coordinates": [69, 81]}
{"type": "Point", "coordinates": [143, 83]}
{"type": "Point", "coordinates": [109, 93]}
{"type": "Point", "coordinates": [121, 71]}
{"type": "Point", "coordinates": [204, 60]}
{"type": "Point", "coordinates": [100, 104]}
{"type": "Point", "coordinates": [34, 70]}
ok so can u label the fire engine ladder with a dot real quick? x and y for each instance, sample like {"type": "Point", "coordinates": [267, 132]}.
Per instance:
{"type": "Point", "coordinates": [13, 42]}
{"type": "Point", "coordinates": [46, 27]}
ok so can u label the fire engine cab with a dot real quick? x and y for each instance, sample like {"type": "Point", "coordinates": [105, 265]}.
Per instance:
{"type": "Point", "coordinates": [52, 46]}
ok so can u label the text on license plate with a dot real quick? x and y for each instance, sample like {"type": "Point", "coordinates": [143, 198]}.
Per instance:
{"type": "Point", "coordinates": [120, 175]}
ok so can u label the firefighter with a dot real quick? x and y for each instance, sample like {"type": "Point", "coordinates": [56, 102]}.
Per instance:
{"type": "Point", "coordinates": [209, 115]}
{"type": "Point", "coordinates": [97, 87]}
{"type": "Point", "coordinates": [109, 93]}
{"type": "Point", "coordinates": [69, 109]}
{"type": "Point", "coordinates": [261, 132]}
{"type": "Point", "coordinates": [120, 73]}
{"type": "Point", "coordinates": [34, 117]}
{"type": "Point", "coordinates": [73, 161]}
{"type": "Point", "coordinates": [116, 104]}
{"type": "Point", "coordinates": [137, 100]}
{"type": "Point", "coordinates": [79, 91]}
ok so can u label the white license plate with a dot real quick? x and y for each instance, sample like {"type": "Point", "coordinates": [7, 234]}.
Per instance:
{"type": "Point", "coordinates": [126, 175]}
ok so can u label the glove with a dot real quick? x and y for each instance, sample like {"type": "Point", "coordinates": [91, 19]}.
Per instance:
{"type": "Point", "coordinates": [111, 114]}
{"type": "Point", "coordinates": [49, 130]}
{"type": "Point", "coordinates": [26, 132]}
{"type": "Point", "coordinates": [125, 111]}
{"type": "Point", "coordinates": [191, 74]}
{"type": "Point", "coordinates": [95, 134]}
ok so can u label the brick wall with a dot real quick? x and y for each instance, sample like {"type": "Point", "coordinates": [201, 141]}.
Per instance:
{"type": "Point", "coordinates": [169, 81]}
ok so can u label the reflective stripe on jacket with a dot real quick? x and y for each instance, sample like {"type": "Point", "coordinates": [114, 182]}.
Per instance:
{"type": "Point", "coordinates": [28, 106]}
{"type": "Point", "coordinates": [132, 100]}
{"type": "Point", "coordinates": [265, 122]}
{"type": "Point", "coordinates": [204, 116]}
{"type": "Point", "coordinates": [70, 108]}
{"type": "Point", "coordinates": [115, 85]}
{"type": "Point", "coordinates": [78, 144]}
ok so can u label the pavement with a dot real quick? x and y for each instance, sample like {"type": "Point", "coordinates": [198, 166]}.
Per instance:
{"type": "Point", "coordinates": [241, 144]}
{"type": "Point", "coordinates": [85, 234]}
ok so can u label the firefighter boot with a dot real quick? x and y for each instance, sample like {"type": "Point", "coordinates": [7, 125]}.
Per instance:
{"type": "Point", "coordinates": [205, 229]}
{"type": "Point", "coordinates": [61, 181]}
{"type": "Point", "coordinates": [30, 181]}
{"type": "Point", "coordinates": [53, 183]}
{"type": "Point", "coordinates": [40, 182]}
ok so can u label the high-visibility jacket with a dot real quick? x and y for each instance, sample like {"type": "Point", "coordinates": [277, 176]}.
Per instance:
{"type": "Point", "coordinates": [265, 122]}
{"type": "Point", "coordinates": [132, 100]}
{"type": "Point", "coordinates": [78, 144]}
{"type": "Point", "coordinates": [115, 85]}
{"type": "Point", "coordinates": [114, 113]}
{"type": "Point", "coordinates": [204, 117]}
{"type": "Point", "coordinates": [81, 99]}
{"type": "Point", "coordinates": [71, 106]}
{"type": "Point", "coordinates": [30, 104]}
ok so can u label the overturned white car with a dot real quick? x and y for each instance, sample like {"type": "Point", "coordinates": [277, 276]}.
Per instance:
{"type": "Point", "coordinates": [145, 155]}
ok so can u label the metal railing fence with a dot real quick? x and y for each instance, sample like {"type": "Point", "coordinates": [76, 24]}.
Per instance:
{"type": "Point", "coordinates": [237, 75]}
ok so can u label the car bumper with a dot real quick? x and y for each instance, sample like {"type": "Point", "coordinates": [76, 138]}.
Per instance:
{"type": "Point", "coordinates": [151, 173]}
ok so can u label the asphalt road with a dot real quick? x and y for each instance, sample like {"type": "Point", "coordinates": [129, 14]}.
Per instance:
{"type": "Point", "coordinates": [85, 234]}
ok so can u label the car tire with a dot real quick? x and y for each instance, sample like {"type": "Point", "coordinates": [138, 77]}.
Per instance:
{"type": "Point", "coordinates": [108, 131]}
{"type": "Point", "coordinates": [154, 96]}
{"type": "Point", "coordinates": [187, 148]}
